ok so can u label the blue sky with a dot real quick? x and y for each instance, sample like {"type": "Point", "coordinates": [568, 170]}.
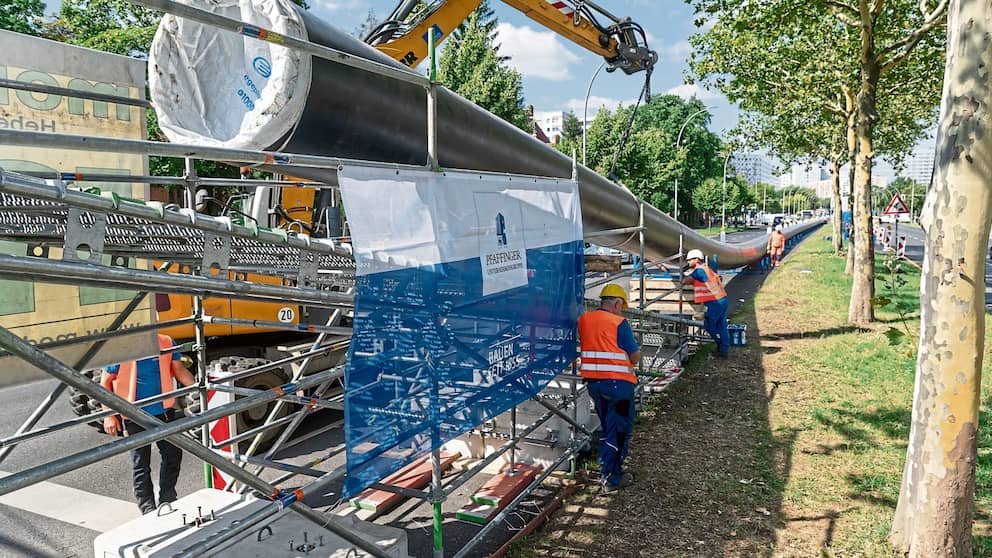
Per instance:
{"type": "Point", "coordinates": [556, 72]}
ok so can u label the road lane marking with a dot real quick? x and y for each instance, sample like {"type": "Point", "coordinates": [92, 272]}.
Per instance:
{"type": "Point", "coordinates": [71, 505]}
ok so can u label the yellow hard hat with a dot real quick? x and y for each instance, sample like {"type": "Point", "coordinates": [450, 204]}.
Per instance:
{"type": "Point", "coordinates": [614, 291]}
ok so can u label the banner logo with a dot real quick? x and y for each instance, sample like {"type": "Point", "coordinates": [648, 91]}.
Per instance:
{"type": "Point", "coordinates": [500, 229]}
{"type": "Point", "coordinates": [262, 66]}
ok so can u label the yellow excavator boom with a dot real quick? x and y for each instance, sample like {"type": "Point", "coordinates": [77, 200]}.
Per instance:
{"type": "Point", "coordinates": [622, 43]}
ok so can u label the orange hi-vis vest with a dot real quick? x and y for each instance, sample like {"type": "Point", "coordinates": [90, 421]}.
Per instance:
{"type": "Point", "coordinates": [709, 291]}
{"type": "Point", "coordinates": [126, 383]}
{"type": "Point", "coordinates": [602, 357]}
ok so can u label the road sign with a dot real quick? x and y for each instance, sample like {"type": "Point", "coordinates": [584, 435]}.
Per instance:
{"type": "Point", "coordinates": [896, 206]}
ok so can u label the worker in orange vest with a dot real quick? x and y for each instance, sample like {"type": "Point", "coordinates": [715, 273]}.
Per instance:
{"type": "Point", "coordinates": [708, 290]}
{"type": "Point", "coordinates": [609, 353]}
{"type": "Point", "coordinates": [137, 380]}
{"type": "Point", "coordinates": [776, 245]}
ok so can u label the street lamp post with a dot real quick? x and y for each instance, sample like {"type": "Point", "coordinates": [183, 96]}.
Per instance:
{"type": "Point", "coordinates": [678, 144]}
{"type": "Point", "coordinates": [912, 202]}
{"type": "Point", "coordinates": [585, 110]}
{"type": "Point", "coordinates": [723, 218]}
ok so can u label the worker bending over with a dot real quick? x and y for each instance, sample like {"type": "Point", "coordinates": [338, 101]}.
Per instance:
{"type": "Point", "coordinates": [609, 354]}
{"type": "Point", "coordinates": [708, 290]}
{"type": "Point", "coordinates": [138, 380]}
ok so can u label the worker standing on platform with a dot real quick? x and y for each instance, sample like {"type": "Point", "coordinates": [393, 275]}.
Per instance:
{"type": "Point", "coordinates": [609, 353]}
{"type": "Point", "coordinates": [776, 245]}
{"type": "Point", "coordinates": [708, 290]}
{"type": "Point", "coordinates": [138, 380]}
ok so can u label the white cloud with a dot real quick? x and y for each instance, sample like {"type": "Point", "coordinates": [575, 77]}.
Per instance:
{"type": "Point", "coordinates": [595, 103]}
{"type": "Point", "coordinates": [676, 52]}
{"type": "Point", "coordinates": [536, 54]}
{"type": "Point", "coordinates": [689, 90]}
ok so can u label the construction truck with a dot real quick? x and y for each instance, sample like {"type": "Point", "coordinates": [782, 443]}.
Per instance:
{"type": "Point", "coordinates": [233, 347]}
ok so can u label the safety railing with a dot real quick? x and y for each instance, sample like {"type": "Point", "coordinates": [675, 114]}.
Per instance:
{"type": "Point", "coordinates": [212, 245]}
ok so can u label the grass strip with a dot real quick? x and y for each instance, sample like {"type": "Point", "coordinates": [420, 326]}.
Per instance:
{"type": "Point", "coordinates": [793, 447]}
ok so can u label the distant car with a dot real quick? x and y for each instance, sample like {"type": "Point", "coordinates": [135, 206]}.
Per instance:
{"type": "Point", "coordinates": [770, 219]}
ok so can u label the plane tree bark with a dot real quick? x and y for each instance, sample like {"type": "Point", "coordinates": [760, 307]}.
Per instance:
{"type": "Point", "coordinates": [934, 514]}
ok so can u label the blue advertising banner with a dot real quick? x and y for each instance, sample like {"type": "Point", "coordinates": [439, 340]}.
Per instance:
{"type": "Point", "coordinates": [467, 293]}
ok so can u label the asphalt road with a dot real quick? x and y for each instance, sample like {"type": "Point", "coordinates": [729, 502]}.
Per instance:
{"type": "Point", "coordinates": [914, 251]}
{"type": "Point", "coordinates": [24, 533]}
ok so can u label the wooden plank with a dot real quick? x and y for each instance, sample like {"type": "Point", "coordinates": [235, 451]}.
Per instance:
{"type": "Point", "coordinates": [504, 487]}
{"type": "Point", "coordinates": [415, 476]}
{"type": "Point", "coordinates": [477, 513]}
{"type": "Point", "coordinates": [497, 493]}
{"type": "Point", "coordinates": [596, 262]}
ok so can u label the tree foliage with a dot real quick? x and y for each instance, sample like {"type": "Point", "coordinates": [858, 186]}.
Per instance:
{"type": "Point", "coordinates": [113, 26]}
{"type": "Point", "coordinates": [21, 16]}
{"type": "Point", "coordinates": [650, 163]}
{"type": "Point", "coordinates": [571, 128]}
{"type": "Point", "coordinates": [808, 68]}
{"type": "Point", "coordinates": [486, 19]}
{"type": "Point", "coordinates": [764, 198]}
{"type": "Point", "coordinates": [713, 196]}
{"type": "Point", "coordinates": [470, 65]}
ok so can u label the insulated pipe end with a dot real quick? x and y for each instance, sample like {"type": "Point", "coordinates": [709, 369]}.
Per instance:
{"type": "Point", "coordinates": [213, 87]}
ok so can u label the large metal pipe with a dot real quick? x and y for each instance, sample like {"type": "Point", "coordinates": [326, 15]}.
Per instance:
{"type": "Point", "coordinates": [201, 79]}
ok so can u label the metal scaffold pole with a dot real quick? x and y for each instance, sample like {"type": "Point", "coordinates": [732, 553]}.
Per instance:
{"type": "Point", "coordinates": [304, 267]}
{"type": "Point", "coordinates": [201, 380]}
{"type": "Point", "coordinates": [682, 340]}
{"type": "Point", "coordinates": [437, 491]}
{"type": "Point", "coordinates": [52, 397]}
{"type": "Point", "coordinates": [291, 428]}
{"type": "Point", "coordinates": [189, 192]}
{"type": "Point", "coordinates": [154, 428]}
{"type": "Point", "coordinates": [573, 440]}
{"type": "Point", "coordinates": [641, 295]}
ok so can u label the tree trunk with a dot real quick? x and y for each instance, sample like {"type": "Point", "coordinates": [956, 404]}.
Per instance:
{"type": "Point", "coordinates": [861, 311]}
{"type": "Point", "coordinates": [852, 152]}
{"type": "Point", "coordinates": [935, 511]}
{"type": "Point", "coordinates": [835, 183]}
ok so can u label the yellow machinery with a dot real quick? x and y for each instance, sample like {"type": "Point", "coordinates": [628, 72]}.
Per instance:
{"type": "Point", "coordinates": [621, 42]}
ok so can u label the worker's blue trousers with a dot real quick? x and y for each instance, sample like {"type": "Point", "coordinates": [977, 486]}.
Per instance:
{"type": "Point", "coordinates": [614, 401]}
{"type": "Point", "coordinates": [715, 323]}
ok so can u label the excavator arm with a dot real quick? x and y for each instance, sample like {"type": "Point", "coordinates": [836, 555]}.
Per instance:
{"type": "Point", "coordinates": [620, 41]}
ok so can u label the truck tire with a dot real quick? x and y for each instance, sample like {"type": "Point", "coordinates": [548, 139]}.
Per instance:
{"type": "Point", "coordinates": [81, 403]}
{"type": "Point", "coordinates": [256, 416]}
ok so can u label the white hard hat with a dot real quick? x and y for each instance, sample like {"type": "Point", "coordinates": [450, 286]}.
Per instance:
{"type": "Point", "coordinates": [778, 227]}
{"type": "Point", "coordinates": [695, 255]}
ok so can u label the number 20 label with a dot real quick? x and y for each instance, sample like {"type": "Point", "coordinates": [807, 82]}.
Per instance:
{"type": "Point", "coordinates": [286, 314]}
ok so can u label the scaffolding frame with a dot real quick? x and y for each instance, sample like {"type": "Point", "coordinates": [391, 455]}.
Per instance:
{"type": "Point", "coordinates": [300, 286]}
